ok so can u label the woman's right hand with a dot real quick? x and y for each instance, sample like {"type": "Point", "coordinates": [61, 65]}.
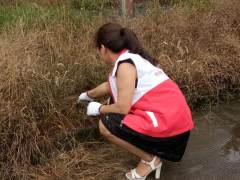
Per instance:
{"type": "Point", "coordinates": [101, 90]}
{"type": "Point", "coordinates": [84, 97]}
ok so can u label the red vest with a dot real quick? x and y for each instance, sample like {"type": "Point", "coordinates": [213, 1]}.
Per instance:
{"type": "Point", "coordinates": [159, 108]}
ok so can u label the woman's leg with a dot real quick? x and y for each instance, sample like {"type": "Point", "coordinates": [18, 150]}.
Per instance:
{"type": "Point", "coordinates": [142, 168]}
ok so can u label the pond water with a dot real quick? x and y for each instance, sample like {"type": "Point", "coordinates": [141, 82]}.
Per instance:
{"type": "Point", "coordinates": [213, 151]}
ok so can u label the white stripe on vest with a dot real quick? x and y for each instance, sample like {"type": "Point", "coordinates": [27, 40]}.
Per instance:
{"type": "Point", "coordinates": [153, 118]}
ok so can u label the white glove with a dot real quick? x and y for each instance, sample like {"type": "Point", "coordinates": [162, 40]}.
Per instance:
{"type": "Point", "coordinates": [84, 96]}
{"type": "Point", "coordinates": [93, 108]}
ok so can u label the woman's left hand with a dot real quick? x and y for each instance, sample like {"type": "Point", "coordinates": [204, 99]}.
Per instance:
{"type": "Point", "coordinates": [93, 109]}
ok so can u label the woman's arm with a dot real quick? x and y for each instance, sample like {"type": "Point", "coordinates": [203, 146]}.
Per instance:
{"type": "Point", "coordinates": [126, 77]}
{"type": "Point", "coordinates": [101, 90]}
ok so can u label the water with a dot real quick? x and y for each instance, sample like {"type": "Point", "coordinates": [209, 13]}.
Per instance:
{"type": "Point", "coordinates": [213, 151]}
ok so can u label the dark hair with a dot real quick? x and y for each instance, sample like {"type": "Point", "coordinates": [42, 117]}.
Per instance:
{"type": "Point", "coordinates": [116, 38]}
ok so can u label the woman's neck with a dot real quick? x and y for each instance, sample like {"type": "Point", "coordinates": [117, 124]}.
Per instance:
{"type": "Point", "coordinates": [113, 57]}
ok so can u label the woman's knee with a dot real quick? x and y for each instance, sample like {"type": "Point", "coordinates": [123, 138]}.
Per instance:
{"type": "Point", "coordinates": [103, 129]}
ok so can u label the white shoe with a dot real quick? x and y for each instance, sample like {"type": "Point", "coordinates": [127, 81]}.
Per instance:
{"type": "Point", "coordinates": [157, 174]}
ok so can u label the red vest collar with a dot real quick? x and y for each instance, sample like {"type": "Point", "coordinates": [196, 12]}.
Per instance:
{"type": "Point", "coordinates": [122, 52]}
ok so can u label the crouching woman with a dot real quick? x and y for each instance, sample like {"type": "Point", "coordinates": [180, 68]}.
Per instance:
{"type": "Point", "coordinates": [147, 113]}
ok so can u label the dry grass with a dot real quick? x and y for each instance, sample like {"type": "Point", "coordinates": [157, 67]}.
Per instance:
{"type": "Point", "coordinates": [46, 64]}
{"type": "Point", "coordinates": [91, 161]}
{"type": "Point", "coordinates": [197, 48]}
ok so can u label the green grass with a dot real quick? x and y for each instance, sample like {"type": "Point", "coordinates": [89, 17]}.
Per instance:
{"type": "Point", "coordinates": [28, 13]}
{"type": "Point", "coordinates": [78, 12]}
{"type": "Point", "coordinates": [31, 15]}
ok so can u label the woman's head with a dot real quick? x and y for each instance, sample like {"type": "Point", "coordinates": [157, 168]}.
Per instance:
{"type": "Point", "coordinates": [116, 38]}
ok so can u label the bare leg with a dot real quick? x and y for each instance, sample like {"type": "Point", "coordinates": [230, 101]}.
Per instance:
{"type": "Point", "coordinates": [142, 168]}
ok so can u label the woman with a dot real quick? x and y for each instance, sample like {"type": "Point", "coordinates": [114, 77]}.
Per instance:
{"type": "Point", "coordinates": [147, 114]}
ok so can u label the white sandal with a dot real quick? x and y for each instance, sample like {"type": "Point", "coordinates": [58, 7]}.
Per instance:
{"type": "Point", "coordinates": [157, 174]}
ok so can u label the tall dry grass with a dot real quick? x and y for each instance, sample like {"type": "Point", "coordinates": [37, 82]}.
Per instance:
{"type": "Point", "coordinates": [47, 63]}
{"type": "Point", "coordinates": [198, 48]}
{"type": "Point", "coordinates": [42, 72]}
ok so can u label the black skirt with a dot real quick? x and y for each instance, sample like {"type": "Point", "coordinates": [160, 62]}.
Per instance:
{"type": "Point", "coordinates": [170, 148]}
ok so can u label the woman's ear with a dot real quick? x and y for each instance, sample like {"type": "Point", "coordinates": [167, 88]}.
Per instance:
{"type": "Point", "coordinates": [103, 49]}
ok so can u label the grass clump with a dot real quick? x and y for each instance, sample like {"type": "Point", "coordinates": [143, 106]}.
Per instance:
{"type": "Point", "coordinates": [47, 59]}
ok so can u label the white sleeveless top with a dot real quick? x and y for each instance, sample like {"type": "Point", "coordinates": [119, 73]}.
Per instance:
{"type": "Point", "coordinates": [159, 108]}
